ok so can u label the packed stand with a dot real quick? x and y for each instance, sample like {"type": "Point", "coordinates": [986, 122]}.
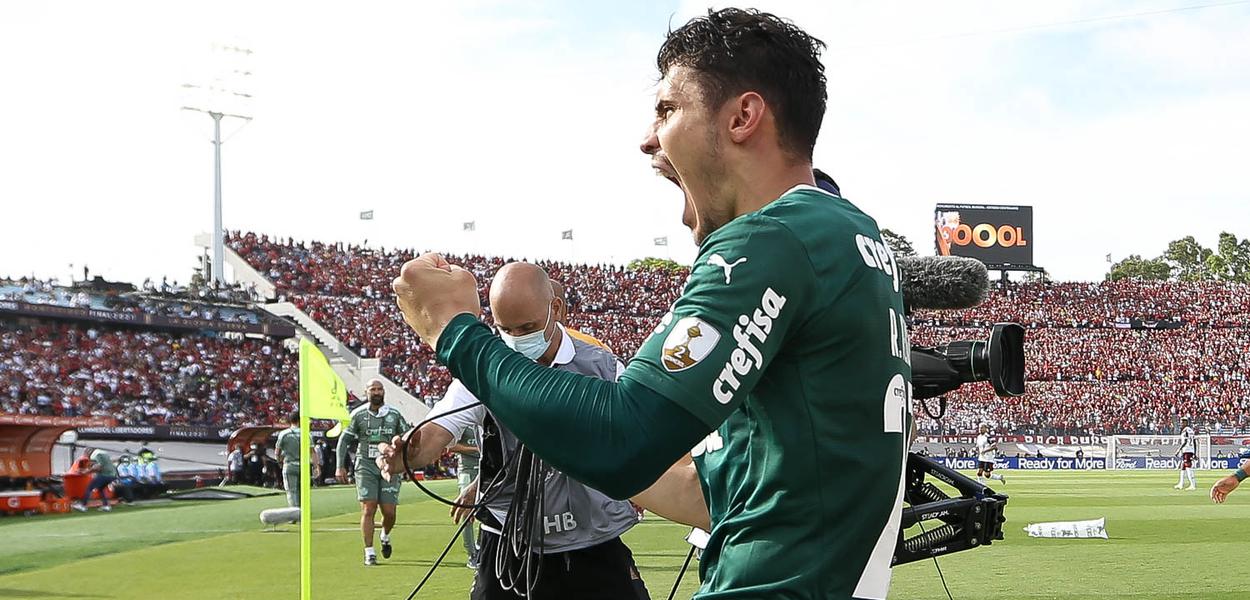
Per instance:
{"type": "Point", "coordinates": [1103, 304]}
{"type": "Point", "coordinates": [1088, 371]}
{"type": "Point", "coordinates": [1109, 380]}
{"type": "Point", "coordinates": [346, 289]}
{"type": "Point", "coordinates": [143, 377]}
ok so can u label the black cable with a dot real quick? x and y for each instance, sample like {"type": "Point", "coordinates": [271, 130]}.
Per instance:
{"type": "Point", "coordinates": [935, 564]}
{"type": "Point", "coordinates": [485, 493]}
{"type": "Point", "coordinates": [525, 515]}
{"type": "Point", "coordinates": [682, 573]}
{"type": "Point", "coordinates": [941, 409]}
{"type": "Point", "coordinates": [439, 561]}
{"type": "Point", "coordinates": [518, 563]}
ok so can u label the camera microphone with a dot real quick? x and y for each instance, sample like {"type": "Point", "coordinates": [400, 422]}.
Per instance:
{"type": "Point", "coordinates": [951, 283]}
{"type": "Point", "coordinates": [942, 282]}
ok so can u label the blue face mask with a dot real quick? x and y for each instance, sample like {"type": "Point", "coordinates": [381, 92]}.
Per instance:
{"type": "Point", "coordinates": [531, 345]}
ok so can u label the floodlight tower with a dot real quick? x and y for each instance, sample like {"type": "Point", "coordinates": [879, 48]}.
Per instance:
{"type": "Point", "coordinates": [225, 95]}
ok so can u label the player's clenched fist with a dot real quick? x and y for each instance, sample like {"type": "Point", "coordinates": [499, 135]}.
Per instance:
{"type": "Point", "coordinates": [430, 291]}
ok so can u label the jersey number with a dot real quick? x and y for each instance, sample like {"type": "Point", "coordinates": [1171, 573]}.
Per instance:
{"type": "Point", "coordinates": [895, 411]}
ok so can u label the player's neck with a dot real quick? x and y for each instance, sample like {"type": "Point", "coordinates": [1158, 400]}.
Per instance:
{"type": "Point", "coordinates": [765, 180]}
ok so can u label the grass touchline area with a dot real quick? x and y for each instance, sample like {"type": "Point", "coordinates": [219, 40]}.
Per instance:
{"type": "Point", "coordinates": [1165, 544]}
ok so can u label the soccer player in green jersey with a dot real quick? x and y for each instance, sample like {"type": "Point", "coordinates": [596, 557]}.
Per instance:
{"type": "Point", "coordinates": [287, 447]}
{"type": "Point", "coordinates": [372, 423]}
{"type": "Point", "coordinates": [104, 472]}
{"type": "Point", "coordinates": [783, 368]}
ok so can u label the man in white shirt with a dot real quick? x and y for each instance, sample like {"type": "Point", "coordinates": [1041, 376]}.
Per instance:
{"type": "Point", "coordinates": [581, 549]}
{"type": "Point", "coordinates": [987, 455]}
{"type": "Point", "coordinates": [1187, 452]}
{"type": "Point", "coordinates": [234, 466]}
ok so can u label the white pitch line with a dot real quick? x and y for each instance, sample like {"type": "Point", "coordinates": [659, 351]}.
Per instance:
{"type": "Point", "coordinates": [180, 531]}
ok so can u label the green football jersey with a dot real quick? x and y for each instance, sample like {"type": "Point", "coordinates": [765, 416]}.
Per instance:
{"type": "Point", "coordinates": [366, 429]}
{"type": "Point", "coordinates": [789, 338]}
{"type": "Point", "coordinates": [105, 462]}
{"type": "Point", "coordinates": [469, 462]}
{"type": "Point", "coordinates": [288, 444]}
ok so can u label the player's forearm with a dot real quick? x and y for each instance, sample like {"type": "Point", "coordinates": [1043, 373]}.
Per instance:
{"type": "Point", "coordinates": [615, 437]}
{"type": "Point", "coordinates": [677, 496]}
{"type": "Point", "coordinates": [340, 453]}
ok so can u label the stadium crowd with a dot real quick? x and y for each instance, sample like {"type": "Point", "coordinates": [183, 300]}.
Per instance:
{"type": "Point", "coordinates": [143, 377]}
{"type": "Point", "coordinates": [1103, 304]}
{"type": "Point", "coordinates": [1088, 371]}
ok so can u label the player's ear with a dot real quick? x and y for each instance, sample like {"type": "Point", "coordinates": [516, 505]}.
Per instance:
{"type": "Point", "coordinates": [746, 116]}
{"type": "Point", "coordinates": [559, 311]}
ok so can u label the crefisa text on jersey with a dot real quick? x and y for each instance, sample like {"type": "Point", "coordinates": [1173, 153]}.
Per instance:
{"type": "Point", "coordinates": [747, 355]}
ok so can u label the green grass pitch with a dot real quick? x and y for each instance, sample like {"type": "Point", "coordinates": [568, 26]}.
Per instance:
{"type": "Point", "coordinates": [1165, 544]}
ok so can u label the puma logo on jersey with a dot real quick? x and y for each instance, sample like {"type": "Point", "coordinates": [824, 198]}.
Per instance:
{"type": "Point", "coordinates": [750, 333]}
{"type": "Point", "coordinates": [716, 260]}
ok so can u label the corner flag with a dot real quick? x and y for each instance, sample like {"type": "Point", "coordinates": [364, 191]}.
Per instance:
{"type": "Point", "coordinates": [322, 395]}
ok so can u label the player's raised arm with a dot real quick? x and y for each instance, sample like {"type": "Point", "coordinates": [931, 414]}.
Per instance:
{"type": "Point", "coordinates": [746, 290]}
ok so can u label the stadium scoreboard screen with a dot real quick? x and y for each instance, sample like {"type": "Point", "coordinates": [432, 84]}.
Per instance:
{"type": "Point", "coordinates": [999, 236]}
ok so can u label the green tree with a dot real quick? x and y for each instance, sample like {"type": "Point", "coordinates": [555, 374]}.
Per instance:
{"type": "Point", "coordinates": [1136, 267]}
{"type": "Point", "coordinates": [655, 263]}
{"type": "Point", "coordinates": [1188, 259]}
{"type": "Point", "coordinates": [1231, 261]}
{"type": "Point", "coordinates": [898, 243]}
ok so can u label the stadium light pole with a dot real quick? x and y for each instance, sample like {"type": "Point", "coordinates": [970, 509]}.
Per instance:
{"type": "Point", "coordinates": [218, 98]}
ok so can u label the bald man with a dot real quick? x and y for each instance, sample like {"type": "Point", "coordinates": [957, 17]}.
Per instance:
{"type": "Point", "coordinates": [581, 550]}
{"type": "Point", "coordinates": [562, 317]}
{"type": "Point", "coordinates": [370, 424]}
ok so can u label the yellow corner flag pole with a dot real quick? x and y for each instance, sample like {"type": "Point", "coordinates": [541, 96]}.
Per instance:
{"type": "Point", "coordinates": [322, 395]}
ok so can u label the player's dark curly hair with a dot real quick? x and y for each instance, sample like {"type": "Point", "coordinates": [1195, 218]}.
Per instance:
{"type": "Point", "coordinates": [735, 50]}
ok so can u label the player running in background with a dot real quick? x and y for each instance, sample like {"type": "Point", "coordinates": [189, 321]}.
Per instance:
{"type": "Point", "coordinates": [987, 455]}
{"type": "Point", "coordinates": [1187, 452]}
{"type": "Point", "coordinates": [103, 473]}
{"type": "Point", "coordinates": [372, 423]}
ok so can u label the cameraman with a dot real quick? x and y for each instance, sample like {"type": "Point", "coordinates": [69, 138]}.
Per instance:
{"type": "Point", "coordinates": [582, 555]}
{"type": "Point", "coordinates": [782, 368]}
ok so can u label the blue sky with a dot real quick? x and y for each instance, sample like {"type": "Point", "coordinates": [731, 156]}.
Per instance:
{"type": "Point", "coordinates": [1123, 132]}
